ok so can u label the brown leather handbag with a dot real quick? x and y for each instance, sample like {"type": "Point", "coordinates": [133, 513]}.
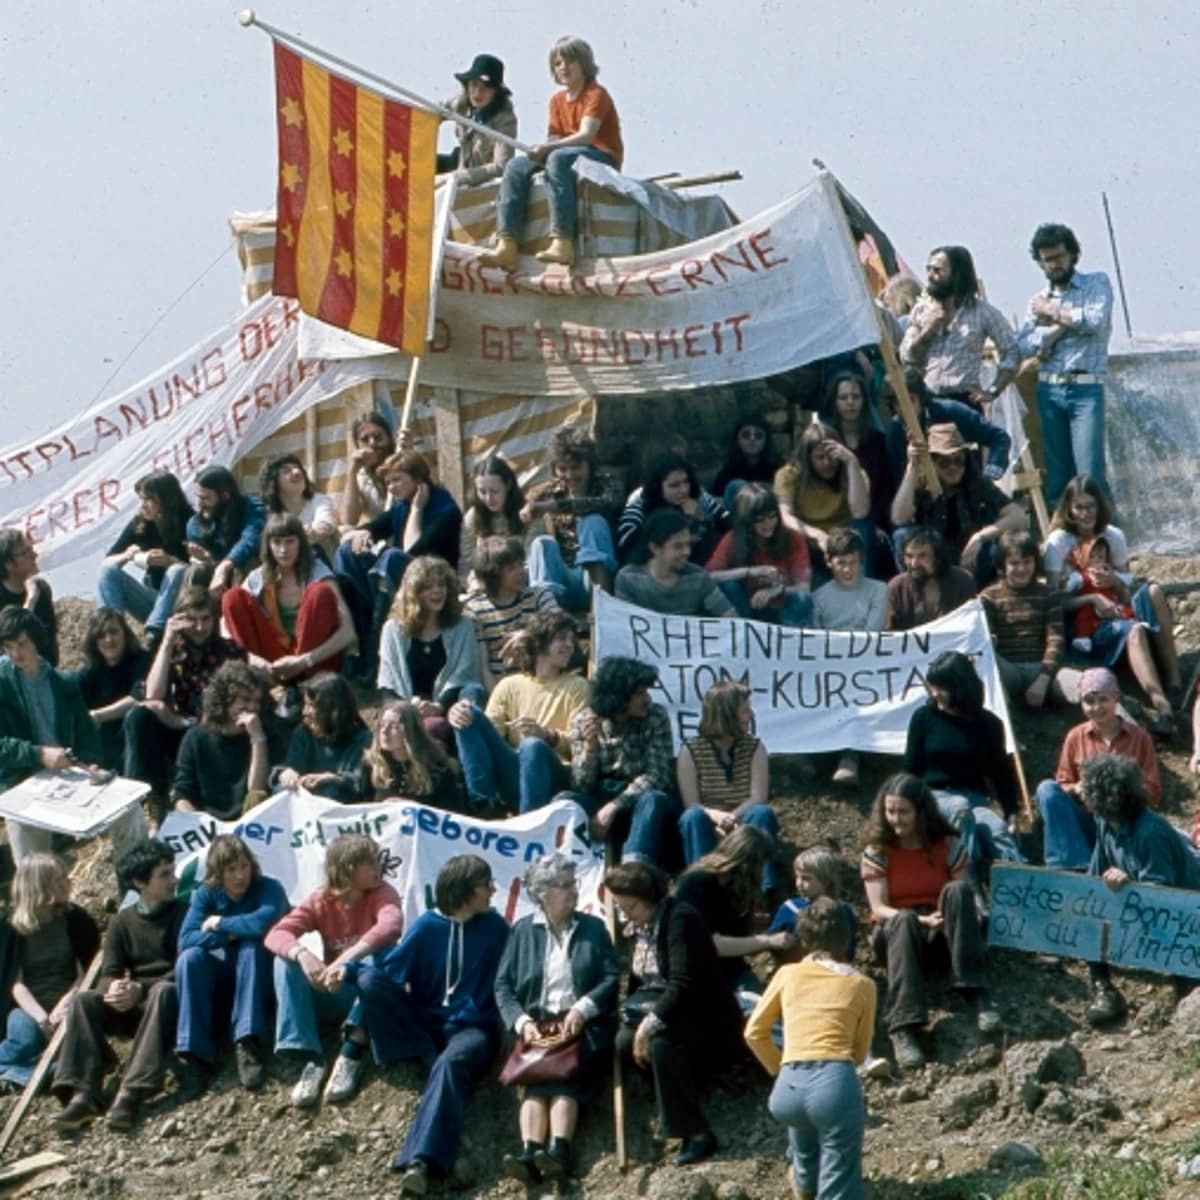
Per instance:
{"type": "Point", "coordinates": [549, 1057]}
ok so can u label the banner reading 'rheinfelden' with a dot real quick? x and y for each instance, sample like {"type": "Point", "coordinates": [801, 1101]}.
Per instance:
{"type": "Point", "coordinates": [812, 689]}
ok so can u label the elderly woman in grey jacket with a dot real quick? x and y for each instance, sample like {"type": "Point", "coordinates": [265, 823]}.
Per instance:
{"type": "Point", "coordinates": [478, 158]}
{"type": "Point", "coordinates": [559, 964]}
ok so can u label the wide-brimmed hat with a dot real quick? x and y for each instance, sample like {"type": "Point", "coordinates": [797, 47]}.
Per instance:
{"type": "Point", "coordinates": [945, 439]}
{"type": "Point", "coordinates": [487, 68]}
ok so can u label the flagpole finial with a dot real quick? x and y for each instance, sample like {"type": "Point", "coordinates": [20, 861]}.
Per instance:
{"type": "Point", "coordinates": [246, 17]}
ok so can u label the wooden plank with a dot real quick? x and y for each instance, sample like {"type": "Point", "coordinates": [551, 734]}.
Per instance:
{"type": "Point", "coordinates": [29, 1164]}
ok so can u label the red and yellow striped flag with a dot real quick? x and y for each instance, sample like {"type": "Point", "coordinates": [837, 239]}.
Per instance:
{"type": "Point", "coordinates": [355, 204]}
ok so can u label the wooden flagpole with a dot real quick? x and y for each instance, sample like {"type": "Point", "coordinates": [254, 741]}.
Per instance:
{"type": "Point", "coordinates": [891, 365]}
{"type": "Point", "coordinates": [610, 920]}
{"type": "Point", "coordinates": [247, 19]}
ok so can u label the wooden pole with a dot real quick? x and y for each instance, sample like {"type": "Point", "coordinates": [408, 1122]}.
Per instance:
{"type": "Point", "coordinates": [410, 390]}
{"type": "Point", "coordinates": [1026, 805]}
{"type": "Point", "coordinates": [247, 19]}
{"type": "Point", "coordinates": [44, 1064]}
{"type": "Point", "coordinates": [891, 365]}
{"type": "Point", "coordinates": [610, 920]}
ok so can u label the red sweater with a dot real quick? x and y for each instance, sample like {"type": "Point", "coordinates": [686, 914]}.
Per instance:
{"type": "Point", "coordinates": [376, 919]}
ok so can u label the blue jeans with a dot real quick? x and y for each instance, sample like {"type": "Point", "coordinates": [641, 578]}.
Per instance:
{"type": "Point", "coordinates": [513, 201]}
{"type": "Point", "coordinates": [1072, 419]}
{"type": "Point", "coordinates": [398, 1028]}
{"type": "Point", "coordinates": [796, 611]}
{"type": "Point", "coordinates": [572, 586]}
{"type": "Point", "coordinates": [821, 1103]}
{"type": "Point", "coordinates": [983, 831]}
{"type": "Point", "coordinates": [650, 827]}
{"type": "Point", "coordinates": [240, 978]}
{"type": "Point", "coordinates": [302, 1008]}
{"type": "Point", "coordinates": [498, 776]}
{"type": "Point", "coordinates": [1069, 830]}
{"type": "Point", "coordinates": [118, 589]}
{"type": "Point", "coordinates": [22, 1047]}
{"type": "Point", "coordinates": [700, 836]}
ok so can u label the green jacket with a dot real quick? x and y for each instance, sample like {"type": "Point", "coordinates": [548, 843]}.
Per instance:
{"type": "Point", "coordinates": [72, 721]}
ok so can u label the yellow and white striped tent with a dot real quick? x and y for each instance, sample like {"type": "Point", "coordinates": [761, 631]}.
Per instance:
{"type": "Point", "coordinates": [457, 428]}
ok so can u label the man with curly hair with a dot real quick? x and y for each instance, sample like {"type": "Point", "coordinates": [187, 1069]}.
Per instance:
{"type": "Point", "coordinates": [623, 764]}
{"type": "Point", "coordinates": [1133, 845]}
{"type": "Point", "coordinates": [224, 762]}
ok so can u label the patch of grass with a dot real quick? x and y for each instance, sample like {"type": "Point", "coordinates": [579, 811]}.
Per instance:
{"type": "Point", "coordinates": [1092, 1176]}
{"type": "Point", "coordinates": [1189, 1063]}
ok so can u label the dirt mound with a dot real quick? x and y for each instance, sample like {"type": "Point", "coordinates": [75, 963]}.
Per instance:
{"type": "Point", "coordinates": [985, 1112]}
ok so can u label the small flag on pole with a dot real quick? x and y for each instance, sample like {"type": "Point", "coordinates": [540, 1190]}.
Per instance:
{"type": "Point", "coordinates": [355, 203]}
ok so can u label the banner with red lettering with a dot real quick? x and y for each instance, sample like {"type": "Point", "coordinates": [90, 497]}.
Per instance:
{"type": "Point", "coordinates": [71, 491]}
{"type": "Point", "coordinates": [777, 291]}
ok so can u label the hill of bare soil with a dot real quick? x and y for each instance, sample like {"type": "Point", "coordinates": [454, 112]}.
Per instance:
{"type": "Point", "coordinates": [1049, 1108]}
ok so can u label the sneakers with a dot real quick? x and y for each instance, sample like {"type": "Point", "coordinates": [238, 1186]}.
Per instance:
{"type": "Point", "coordinates": [80, 1111]}
{"type": "Point", "coordinates": [1107, 1004]}
{"type": "Point", "coordinates": [987, 1016]}
{"type": "Point", "coordinates": [123, 1113]}
{"type": "Point", "coordinates": [696, 1149]}
{"type": "Point", "coordinates": [847, 769]}
{"type": "Point", "coordinates": [415, 1180]}
{"type": "Point", "coordinates": [291, 704]}
{"type": "Point", "coordinates": [307, 1091]}
{"type": "Point", "coordinates": [250, 1069]}
{"type": "Point", "coordinates": [874, 1068]}
{"type": "Point", "coordinates": [909, 1055]}
{"type": "Point", "coordinates": [343, 1079]}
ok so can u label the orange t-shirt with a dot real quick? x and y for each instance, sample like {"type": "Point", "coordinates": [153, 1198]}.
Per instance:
{"type": "Point", "coordinates": [566, 116]}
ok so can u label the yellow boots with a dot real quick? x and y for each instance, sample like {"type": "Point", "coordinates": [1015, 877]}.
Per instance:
{"type": "Point", "coordinates": [503, 255]}
{"type": "Point", "coordinates": [561, 250]}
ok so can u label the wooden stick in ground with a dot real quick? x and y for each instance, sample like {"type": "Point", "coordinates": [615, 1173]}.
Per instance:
{"type": "Point", "coordinates": [43, 1068]}
{"type": "Point", "coordinates": [1026, 806]}
{"type": "Point", "coordinates": [414, 369]}
{"type": "Point", "coordinates": [905, 406]}
{"type": "Point", "coordinates": [610, 920]}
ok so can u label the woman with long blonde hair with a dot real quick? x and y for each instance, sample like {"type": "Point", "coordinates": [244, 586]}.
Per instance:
{"type": "Point", "coordinates": [427, 653]}
{"type": "Point", "coordinates": [404, 762]}
{"type": "Point", "coordinates": [52, 943]}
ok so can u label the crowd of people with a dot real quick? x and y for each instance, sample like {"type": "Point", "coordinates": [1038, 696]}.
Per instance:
{"type": "Point", "coordinates": [263, 616]}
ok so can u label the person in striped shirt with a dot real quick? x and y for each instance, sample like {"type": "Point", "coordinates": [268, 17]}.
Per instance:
{"type": "Point", "coordinates": [505, 602]}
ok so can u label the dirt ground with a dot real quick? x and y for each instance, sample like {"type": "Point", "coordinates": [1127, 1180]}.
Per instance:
{"type": "Point", "coordinates": [1127, 1093]}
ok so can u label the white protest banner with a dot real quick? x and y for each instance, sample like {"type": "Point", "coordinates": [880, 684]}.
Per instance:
{"type": "Point", "coordinates": [290, 831]}
{"type": "Point", "coordinates": [71, 491]}
{"type": "Point", "coordinates": [775, 292]}
{"type": "Point", "coordinates": [812, 689]}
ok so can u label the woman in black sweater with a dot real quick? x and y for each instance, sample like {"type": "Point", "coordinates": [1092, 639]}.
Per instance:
{"type": "Point", "coordinates": [960, 751]}
{"type": "Point", "coordinates": [111, 682]}
{"type": "Point", "coordinates": [681, 1022]}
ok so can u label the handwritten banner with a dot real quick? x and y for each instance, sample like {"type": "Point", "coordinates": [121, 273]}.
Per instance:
{"type": "Point", "coordinates": [812, 689]}
{"type": "Point", "coordinates": [1141, 926]}
{"type": "Point", "coordinates": [71, 491]}
{"type": "Point", "coordinates": [770, 294]}
{"type": "Point", "coordinates": [290, 831]}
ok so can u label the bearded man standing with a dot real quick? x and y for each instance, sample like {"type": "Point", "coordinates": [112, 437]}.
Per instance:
{"type": "Point", "coordinates": [947, 330]}
{"type": "Point", "coordinates": [1067, 326]}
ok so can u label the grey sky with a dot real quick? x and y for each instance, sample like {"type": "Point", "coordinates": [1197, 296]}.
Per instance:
{"type": "Point", "coordinates": [129, 132]}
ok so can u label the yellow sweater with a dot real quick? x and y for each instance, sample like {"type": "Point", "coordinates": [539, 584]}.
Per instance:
{"type": "Point", "coordinates": [550, 704]}
{"type": "Point", "coordinates": [828, 1012]}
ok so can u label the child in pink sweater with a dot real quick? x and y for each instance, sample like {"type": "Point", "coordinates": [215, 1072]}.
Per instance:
{"type": "Point", "coordinates": [357, 915]}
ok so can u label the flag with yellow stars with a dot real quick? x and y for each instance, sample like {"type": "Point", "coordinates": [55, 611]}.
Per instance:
{"type": "Point", "coordinates": [355, 204]}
